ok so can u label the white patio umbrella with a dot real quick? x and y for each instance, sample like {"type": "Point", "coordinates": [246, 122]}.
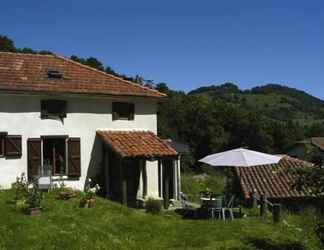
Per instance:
{"type": "Point", "coordinates": [240, 157]}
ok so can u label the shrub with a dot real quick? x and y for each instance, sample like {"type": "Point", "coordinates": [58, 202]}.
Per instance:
{"type": "Point", "coordinates": [319, 229]}
{"type": "Point", "coordinates": [20, 187]}
{"type": "Point", "coordinates": [153, 206]}
{"type": "Point", "coordinates": [21, 205]}
{"type": "Point", "coordinates": [34, 197]}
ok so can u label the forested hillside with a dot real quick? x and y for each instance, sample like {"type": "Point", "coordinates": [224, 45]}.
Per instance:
{"type": "Point", "coordinates": [269, 118]}
{"type": "Point", "coordinates": [273, 100]}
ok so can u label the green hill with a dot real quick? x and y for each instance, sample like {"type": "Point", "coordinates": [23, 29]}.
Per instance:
{"type": "Point", "coordinates": [274, 101]}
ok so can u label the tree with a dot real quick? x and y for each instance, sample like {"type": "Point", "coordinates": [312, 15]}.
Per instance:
{"type": "Point", "coordinates": [109, 70]}
{"type": "Point", "coordinates": [162, 87]}
{"type": "Point", "coordinates": [95, 63]}
{"type": "Point", "coordinates": [91, 62]}
{"type": "Point", "coordinates": [315, 130]}
{"type": "Point", "coordinates": [6, 44]}
{"type": "Point", "coordinates": [311, 179]}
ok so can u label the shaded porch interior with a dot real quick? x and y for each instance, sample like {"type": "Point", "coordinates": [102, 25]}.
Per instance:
{"type": "Point", "coordinates": [127, 161]}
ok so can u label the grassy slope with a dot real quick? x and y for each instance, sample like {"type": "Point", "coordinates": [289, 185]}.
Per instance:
{"type": "Point", "coordinates": [110, 226]}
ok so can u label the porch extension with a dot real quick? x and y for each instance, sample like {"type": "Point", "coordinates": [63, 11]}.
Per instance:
{"type": "Point", "coordinates": [138, 164]}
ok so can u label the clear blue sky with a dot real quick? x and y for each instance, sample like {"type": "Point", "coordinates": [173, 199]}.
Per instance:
{"type": "Point", "coordinates": [185, 43]}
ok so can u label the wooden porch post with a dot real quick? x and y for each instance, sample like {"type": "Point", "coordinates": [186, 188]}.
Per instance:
{"type": "Point", "coordinates": [106, 169]}
{"type": "Point", "coordinates": [123, 182]}
{"type": "Point", "coordinates": [179, 176]}
{"type": "Point", "coordinates": [143, 163]}
{"type": "Point", "coordinates": [160, 178]}
{"type": "Point", "coordinates": [175, 179]}
{"type": "Point", "coordinates": [166, 198]}
{"type": "Point", "coordinates": [139, 195]}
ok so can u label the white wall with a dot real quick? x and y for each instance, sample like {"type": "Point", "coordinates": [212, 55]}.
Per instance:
{"type": "Point", "coordinates": [20, 115]}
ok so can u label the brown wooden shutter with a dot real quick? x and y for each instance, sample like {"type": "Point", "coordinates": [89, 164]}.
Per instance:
{"type": "Point", "coordinates": [2, 143]}
{"type": "Point", "coordinates": [74, 157]}
{"type": "Point", "coordinates": [34, 157]}
{"type": "Point", "coordinates": [131, 111]}
{"type": "Point", "coordinates": [115, 114]}
{"type": "Point", "coordinates": [13, 146]}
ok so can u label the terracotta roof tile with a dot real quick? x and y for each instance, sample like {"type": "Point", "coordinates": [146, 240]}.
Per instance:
{"type": "Point", "coordinates": [136, 144]}
{"type": "Point", "coordinates": [275, 181]}
{"type": "Point", "coordinates": [28, 72]}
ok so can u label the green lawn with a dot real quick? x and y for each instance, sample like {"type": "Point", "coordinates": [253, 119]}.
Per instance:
{"type": "Point", "coordinates": [63, 225]}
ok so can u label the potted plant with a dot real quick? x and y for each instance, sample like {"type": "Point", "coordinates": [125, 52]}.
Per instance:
{"type": "Point", "coordinates": [33, 202]}
{"type": "Point", "coordinates": [64, 193]}
{"type": "Point", "coordinates": [88, 199]}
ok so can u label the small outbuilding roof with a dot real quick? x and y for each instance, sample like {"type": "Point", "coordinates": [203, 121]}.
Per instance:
{"type": "Point", "coordinates": [315, 141]}
{"type": "Point", "coordinates": [55, 74]}
{"type": "Point", "coordinates": [180, 147]}
{"type": "Point", "coordinates": [275, 181]}
{"type": "Point", "coordinates": [131, 144]}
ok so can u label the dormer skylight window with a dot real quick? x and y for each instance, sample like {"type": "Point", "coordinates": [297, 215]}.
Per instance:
{"type": "Point", "coordinates": [55, 74]}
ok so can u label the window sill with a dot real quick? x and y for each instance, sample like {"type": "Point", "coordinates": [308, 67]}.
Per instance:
{"type": "Point", "coordinates": [123, 119]}
{"type": "Point", "coordinates": [64, 178]}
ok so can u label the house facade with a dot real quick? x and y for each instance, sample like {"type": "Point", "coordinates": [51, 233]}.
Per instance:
{"type": "Point", "coordinates": [62, 119]}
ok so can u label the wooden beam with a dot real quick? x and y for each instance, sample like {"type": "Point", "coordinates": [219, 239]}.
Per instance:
{"type": "Point", "coordinates": [160, 178]}
{"type": "Point", "coordinates": [263, 206]}
{"type": "Point", "coordinates": [179, 176]}
{"type": "Point", "coordinates": [106, 169]}
{"type": "Point", "coordinates": [175, 179]}
{"type": "Point", "coordinates": [166, 184]}
{"type": "Point", "coordinates": [123, 182]}
{"type": "Point", "coordinates": [166, 198]}
{"type": "Point", "coordinates": [144, 178]}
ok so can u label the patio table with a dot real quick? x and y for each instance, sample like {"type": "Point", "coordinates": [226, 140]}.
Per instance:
{"type": "Point", "coordinates": [214, 205]}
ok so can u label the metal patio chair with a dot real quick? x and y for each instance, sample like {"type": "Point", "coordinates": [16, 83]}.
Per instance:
{"type": "Point", "coordinates": [215, 206]}
{"type": "Point", "coordinates": [230, 208]}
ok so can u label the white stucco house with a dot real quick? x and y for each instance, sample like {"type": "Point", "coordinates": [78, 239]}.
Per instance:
{"type": "Point", "coordinates": [67, 120]}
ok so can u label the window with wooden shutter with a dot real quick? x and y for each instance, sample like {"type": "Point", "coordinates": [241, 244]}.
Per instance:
{"type": "Point", "coordinates": [2, 143]}
{"type": "Point", "coordinates": [13, 146]}
{"type": "Point", "coordinates": [34, 158]}
{"type": "Point", "coordinates": [74, 157]}
{"type": "Point", "coordinates": [123, 111]}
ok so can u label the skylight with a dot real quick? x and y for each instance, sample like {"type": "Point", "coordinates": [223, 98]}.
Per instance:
{"type": "Point", "coordinates": [55, 74]}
